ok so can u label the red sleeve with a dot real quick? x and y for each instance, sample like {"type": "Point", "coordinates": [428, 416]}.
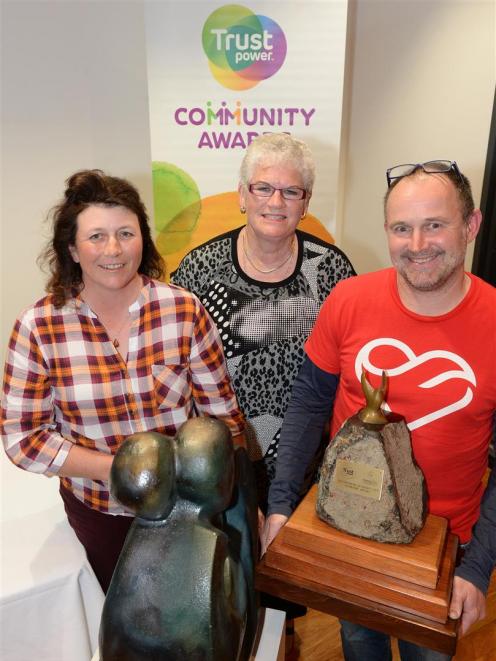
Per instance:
{"type": "Point", "coordinates": [322, 346]}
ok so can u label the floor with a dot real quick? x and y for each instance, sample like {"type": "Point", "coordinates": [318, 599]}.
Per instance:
{"type": "Point", "coordinates": [317, 636]}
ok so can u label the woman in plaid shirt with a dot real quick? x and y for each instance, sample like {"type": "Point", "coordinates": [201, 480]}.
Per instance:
{"type": "Point", "coordinates": [110, 351]}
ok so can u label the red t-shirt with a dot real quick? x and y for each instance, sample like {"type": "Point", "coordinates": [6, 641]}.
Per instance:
{"type": "Point", "coordinates": [441, 379]}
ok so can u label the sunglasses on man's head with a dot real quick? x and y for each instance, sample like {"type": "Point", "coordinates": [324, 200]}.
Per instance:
{"type": "Point", "coordinates": [431, 167]}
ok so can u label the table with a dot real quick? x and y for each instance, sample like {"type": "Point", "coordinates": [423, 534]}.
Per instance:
{"type": "Point", "coordinates": [51, 601]}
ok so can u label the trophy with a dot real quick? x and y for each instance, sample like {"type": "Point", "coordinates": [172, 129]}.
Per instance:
{"type": "Point", "coordinates": [370, 484]}
{"type": "Point", "coordinates": [361, 545]}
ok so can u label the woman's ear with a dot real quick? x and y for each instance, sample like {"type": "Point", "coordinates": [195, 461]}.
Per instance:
{"type": "Point", "coordinates": [306, 203]}
{"type": "Point", "coordinates": [74, 253]}
{"type": "Point", "coordinates": [242, 198]}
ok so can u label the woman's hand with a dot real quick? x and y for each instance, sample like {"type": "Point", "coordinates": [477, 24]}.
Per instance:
{"type": "Point", "coordinates": [273, 524]}
{"type": "Point", "coordinates": [83, 462]}
{"type": "Point", "coordinates": [239, 441]}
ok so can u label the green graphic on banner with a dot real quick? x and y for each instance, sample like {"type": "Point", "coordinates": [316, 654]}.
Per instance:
{"type": "Point", "coordinates": [177, 206]}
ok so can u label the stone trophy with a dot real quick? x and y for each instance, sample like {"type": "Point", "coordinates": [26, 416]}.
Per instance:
{"type": "Point", "coordinates": [370, 484]}
{"type": "Point", "coordinates": [183, 587]}
{"type": "Point", "coordinates": [370, 491]}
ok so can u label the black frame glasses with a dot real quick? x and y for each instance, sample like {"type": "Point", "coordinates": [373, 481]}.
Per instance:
{"type": "Point", "coordinates": [291, 193]}
{"type": "Point", "coordinates": [431, 167]}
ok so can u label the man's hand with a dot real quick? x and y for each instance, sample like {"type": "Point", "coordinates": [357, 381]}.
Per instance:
{"type": "Point", "coordinates": [468, 602]}
{"type": "Point", "coordinates": [261, 524]}
{"type": "Point", "coordinates": [272, 526]}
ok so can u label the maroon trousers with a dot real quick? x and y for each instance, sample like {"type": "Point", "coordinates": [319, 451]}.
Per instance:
{"type": "Point", "coordinates": [102, 535]}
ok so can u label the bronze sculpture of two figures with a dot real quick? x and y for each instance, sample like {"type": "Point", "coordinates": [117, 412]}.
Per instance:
{"type": "Point", "coordinates": [183, 585]}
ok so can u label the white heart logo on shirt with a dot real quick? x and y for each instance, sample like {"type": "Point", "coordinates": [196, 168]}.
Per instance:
{"type": "Point", "coordinates": [464, 372]}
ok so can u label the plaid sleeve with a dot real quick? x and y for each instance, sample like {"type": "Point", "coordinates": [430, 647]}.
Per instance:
{"type": "Point", "coordinates": [26, 415]}
{"type": "Point", "coordinates": [212, 390]}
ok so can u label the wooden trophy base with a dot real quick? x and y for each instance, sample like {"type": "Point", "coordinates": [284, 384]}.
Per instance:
{"type": "Point", "coordinates": [403, 589]}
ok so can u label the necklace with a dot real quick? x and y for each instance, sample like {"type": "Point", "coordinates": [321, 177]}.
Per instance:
{"type": "Point", "coordinates": [276, 268]}
{"type": "Point", "coordinates": [115, 341]}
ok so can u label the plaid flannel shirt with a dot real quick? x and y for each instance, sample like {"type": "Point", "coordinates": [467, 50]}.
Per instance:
{"type": "Point", "coordinates": [66, 383]}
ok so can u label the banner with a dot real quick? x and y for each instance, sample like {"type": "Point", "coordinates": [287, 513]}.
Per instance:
{"type": "Point", "coordinates": [218, 76]}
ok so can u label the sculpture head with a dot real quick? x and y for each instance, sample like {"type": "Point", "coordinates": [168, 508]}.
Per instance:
{"type": "Point", "coordinates": [373, 413]}
{"type": "Point", "coordinates": [205, 463]}
{"type": "Point", "coordinates": [143, 476]}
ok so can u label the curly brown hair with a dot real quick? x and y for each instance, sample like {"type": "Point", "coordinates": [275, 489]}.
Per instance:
{"type": "Point", "coordinates": [84, 189]}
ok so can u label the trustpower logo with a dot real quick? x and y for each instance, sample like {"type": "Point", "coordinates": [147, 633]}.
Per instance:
{"type": "Point", "coordinates": [242, 48]}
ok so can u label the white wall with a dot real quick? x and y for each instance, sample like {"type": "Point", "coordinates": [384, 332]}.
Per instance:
{"type": "Point", "coordinates": [74, 95]}
{"type": "Point", "coordinates": [420, 86]}
{"type": "Point", "coordinates": [420, 83]}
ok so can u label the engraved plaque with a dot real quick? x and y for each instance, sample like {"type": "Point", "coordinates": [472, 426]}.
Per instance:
{"type": "Point", "coordinates": [358, 478]}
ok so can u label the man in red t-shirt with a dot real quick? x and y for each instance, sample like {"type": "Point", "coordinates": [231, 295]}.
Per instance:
{"type": "Point", "coordinates": [432, 327]}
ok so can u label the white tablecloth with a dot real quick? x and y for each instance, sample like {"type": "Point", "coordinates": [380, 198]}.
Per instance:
{"type": "Point", "coordinates": [50, 600]}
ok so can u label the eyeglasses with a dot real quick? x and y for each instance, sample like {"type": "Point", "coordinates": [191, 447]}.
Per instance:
{"type": "Point", "coordinates": [262, 189]}
{"type": "Point", "coordinates": [431, 167]}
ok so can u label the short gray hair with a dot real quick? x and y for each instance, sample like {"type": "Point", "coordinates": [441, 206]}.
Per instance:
{"type": "Point", "coordinates": [276, 149]}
